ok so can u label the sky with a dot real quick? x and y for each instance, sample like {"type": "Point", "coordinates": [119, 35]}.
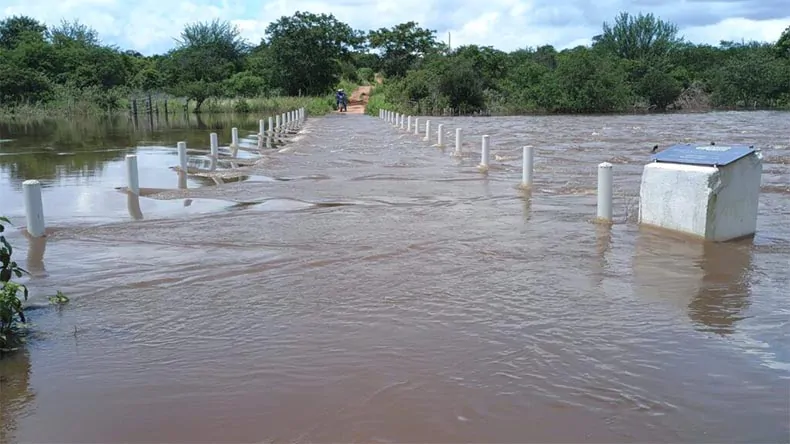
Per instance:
{"type": "Point", "coordinates": [150, 26]}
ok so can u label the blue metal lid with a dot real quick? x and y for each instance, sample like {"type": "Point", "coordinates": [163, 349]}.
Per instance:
{"type": "Point", "coordinates": [707, 155]}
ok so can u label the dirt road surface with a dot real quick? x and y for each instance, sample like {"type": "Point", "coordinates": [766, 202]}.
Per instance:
{"type": "Point", "coordinates": [358, 100]}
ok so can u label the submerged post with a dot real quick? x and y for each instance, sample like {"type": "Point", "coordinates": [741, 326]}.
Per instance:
{"type": "Point", "coordinates": [34, 208]}
{"type": "Point", "coordinates": [605, 191]}
{"type": "Point", "coordinates": [132, 177]}
{"type": "Point", "coordinates": [214, 144]}
{"type": "Point", "coordinates": [484, 154]}
{"type": "Point", "coordinates": [182, 156]}
{"type": "Point", "coordinates": [527, 166]}
{"type": "Point", "coordinates": [234, 136]}
{"type": "Point", "coordinates": [458, 139]}
{"type": "Point", "coordinates": [427, 131]}
{"type": "Point", "coordinates": [440, 135]}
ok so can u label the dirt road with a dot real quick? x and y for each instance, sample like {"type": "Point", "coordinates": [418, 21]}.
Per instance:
{"type": "Point", "coordinates": [358, 100]}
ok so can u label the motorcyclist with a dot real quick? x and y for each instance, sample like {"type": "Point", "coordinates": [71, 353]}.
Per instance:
{"type": "Point", "coordinates": [340, 97]}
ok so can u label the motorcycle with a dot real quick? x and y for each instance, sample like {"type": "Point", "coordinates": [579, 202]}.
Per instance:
{"type": "Point", "coordinates": [342, 104]}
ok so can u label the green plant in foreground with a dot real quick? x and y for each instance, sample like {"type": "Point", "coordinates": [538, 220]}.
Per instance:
{"type": "Point", "coordinates": [11, 310]}
{"type": "Point", "coordinates": [12, 313]}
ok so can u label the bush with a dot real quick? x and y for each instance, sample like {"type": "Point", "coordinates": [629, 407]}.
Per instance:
{"type": "Point", "coordinates": [11, 311]}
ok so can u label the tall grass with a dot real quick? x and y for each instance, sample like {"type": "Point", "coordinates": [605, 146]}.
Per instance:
{"type": "Point", "coordinates": [377, 101]}
{"type": "Point", "coordinates": [69, 102]}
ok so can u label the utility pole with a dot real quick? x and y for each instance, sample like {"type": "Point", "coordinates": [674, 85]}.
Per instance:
{"type": "Point", "coordinates": [449, 41]}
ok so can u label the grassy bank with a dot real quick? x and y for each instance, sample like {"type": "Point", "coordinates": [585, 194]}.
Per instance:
{"type": "Point", "coordinates": [161, 105]}
{"type": "Point", "coordinates": [89, 102]}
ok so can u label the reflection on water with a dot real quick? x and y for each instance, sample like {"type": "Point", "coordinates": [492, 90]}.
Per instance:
{"type": "Point", "coordinates": [35, 255]}
{"type": "Point", "coordinates": [79, 179]}
{"type": "Point", "coordinates": [133, 204]}
{"type": "Point", "coordinates": [711, 279]}
{"type": "Point", "coordinates": [381, 290]}
{"type": "Point", "coordinates": [55, 150]}
{"type": "Point", "coordinates": [16, 396]}
{"type": "Point", "coordinates": [723, 297]}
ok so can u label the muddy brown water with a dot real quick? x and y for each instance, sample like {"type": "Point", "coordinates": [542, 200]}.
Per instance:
{"type": "Point", "coordinates": [364, 286]}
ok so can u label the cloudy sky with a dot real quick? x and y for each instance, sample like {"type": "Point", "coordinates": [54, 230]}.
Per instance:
{"type": "Point", "coordinates": [149, 26]}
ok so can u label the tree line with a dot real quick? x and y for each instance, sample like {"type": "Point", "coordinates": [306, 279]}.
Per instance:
{"type": "Point", "coordinates": [637, 63]}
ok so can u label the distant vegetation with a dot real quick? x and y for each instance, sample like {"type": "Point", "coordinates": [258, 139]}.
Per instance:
{"type": "Point", "coordinates": [638, 63]}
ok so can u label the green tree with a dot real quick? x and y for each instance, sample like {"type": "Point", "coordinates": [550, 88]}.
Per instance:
{"type": "Point", "coordinates": [15, 29]}
{"type": "Point", "coordinates": [639, 37]}
{"type": "Point", "coordinates": [783, 44]}
{"type": "Point", "coordinates": [307, 50]}
{"type": "Point", "coordinates": [586, 82]}
{"type": "Point", "coordinates": [402, 46]}
{"type": "Point", "coordinates": [207, 54]}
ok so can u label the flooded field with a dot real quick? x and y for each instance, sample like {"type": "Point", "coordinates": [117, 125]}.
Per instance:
{"type": "Point", "coordinates": [361, 285]}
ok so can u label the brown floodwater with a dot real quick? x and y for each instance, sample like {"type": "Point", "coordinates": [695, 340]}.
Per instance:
{"type": "Point", "coordinates": [361, 285]}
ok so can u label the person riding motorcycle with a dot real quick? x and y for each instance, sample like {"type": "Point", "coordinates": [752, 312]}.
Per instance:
{"type": "Point", "coordinates": [340, 98]}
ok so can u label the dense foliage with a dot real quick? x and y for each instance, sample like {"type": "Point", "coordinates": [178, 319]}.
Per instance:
{"type": "Point", "coordinates": [637, 63]}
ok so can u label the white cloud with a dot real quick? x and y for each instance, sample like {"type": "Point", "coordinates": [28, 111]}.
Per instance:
{"type": "Point", "coordinates": [149, 26]}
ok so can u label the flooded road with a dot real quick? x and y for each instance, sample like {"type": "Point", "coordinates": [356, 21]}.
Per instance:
{"type": "Point", "coordinates": [365, 286]}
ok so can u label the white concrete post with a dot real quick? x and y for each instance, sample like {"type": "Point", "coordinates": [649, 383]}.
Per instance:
{"type": "Point", "coordinates": [484, 157]}
{"type": "Point", "coordinates": [458, 140]}
{"type": "Point", "coordinates": [416, 126]}
{"type": "Point", "coordinates": [271, 126]}
{"type": "Point", "coordinates": [380, 110]}
{"type": "Point", "coordinates": [427, 131]}
{"type": "Point", "coordinates": [605, 188]}
{"type": "Point", "coordinates": [132, 177]}
{"type": "Point", "coordinates": [408, 124]}
{"type": "Point", "coordinates": [277, 123]}
{"type": "Point", "coordinates": [527, 166]}
{"type": "Point", "coordinates": [284, 123]}
{"type": "Point", "coordinates": [182, 156]}
{"type": "Point", "coordinates": [402, 121]}
{"type": "Point", "coordinates": [261, 127]}
{"type": "Point", "coordinates": [214, 144]}
{"type": "Point", "coordinates": [395, 119]}
{"type": "Point", "coordinates": [34, 207]}
{"type": "Point", "coordinates": [234, 136]}
{"type": "Point", "coordinates": [440, 135]}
